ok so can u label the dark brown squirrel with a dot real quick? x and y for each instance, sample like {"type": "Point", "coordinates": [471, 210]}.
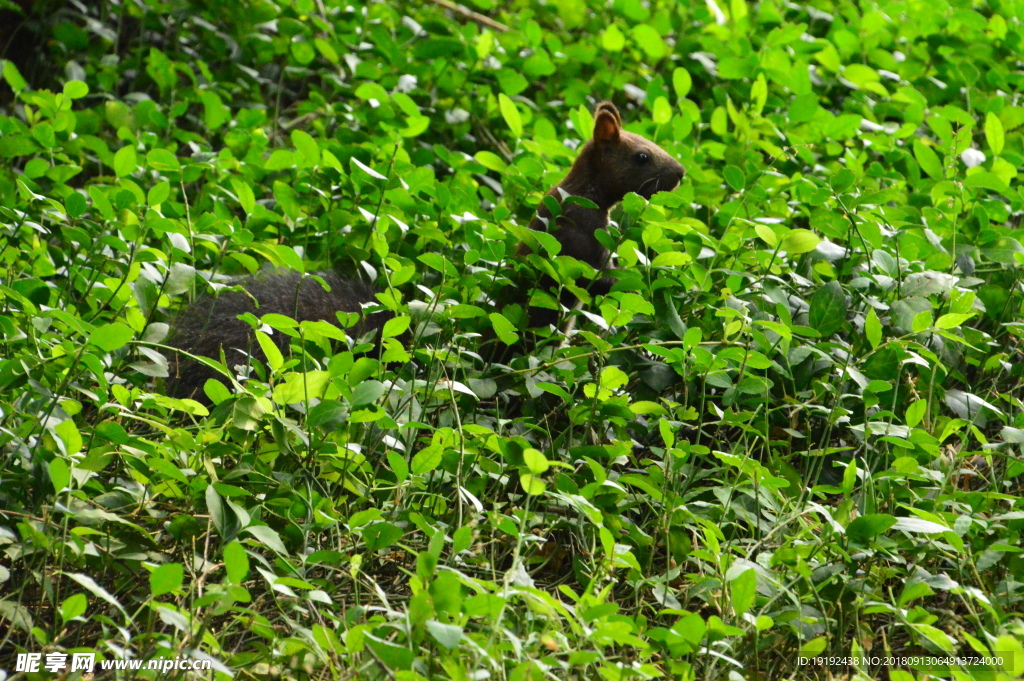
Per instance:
{"type": "Point", "coordinates": [211, 323]}
{"type": "Point", "coordinates": [611, 164]}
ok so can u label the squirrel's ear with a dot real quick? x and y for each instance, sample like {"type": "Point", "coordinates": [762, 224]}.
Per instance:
{"type": "Point", "coordinates": [610, 108]}
{"type": "Point", "coordinates": [607, 124]}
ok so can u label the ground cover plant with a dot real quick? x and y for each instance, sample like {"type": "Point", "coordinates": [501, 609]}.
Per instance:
{"type": "Point", "coordinates": [792, 431]}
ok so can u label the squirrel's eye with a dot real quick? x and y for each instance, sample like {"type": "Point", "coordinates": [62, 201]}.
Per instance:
{"type": "Point", "coordinates": [642, 157]}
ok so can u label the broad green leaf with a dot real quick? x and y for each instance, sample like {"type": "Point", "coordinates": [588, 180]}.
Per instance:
{"type": "Point", "coordinates": [511, 115]}
{"type": "Point", "coordinates": [994, 133]}
{"type": "Point", "coordinates": [111, 336]}
{"type": "Point", "coordinates": [799, 241]}
{"type": "Point", "coordinates": [927, 159]}
{"type": "Point", "coordinates": [166, 579]}
{"type": "Point", "coordinates": [827, 313]}
{"type": "Point", "coordinates": [125, 161]}
{"type": "Point", "coordinates": [681, 82]}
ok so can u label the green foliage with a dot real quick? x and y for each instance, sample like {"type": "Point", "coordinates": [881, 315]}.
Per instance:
{"type": "Point", "coordinates": [792, 428]}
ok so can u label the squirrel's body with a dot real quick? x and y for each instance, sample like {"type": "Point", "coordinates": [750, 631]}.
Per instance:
{"type": "Point", "coordinates": [613, 163]}
{"type": "Point", "coordinates": [610, 165]}
{"type": "Point", "coordinates": [211, 323]}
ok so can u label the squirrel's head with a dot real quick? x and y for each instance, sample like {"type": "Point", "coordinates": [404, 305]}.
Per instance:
{"type": "Point", "coordinates": [619, 162]}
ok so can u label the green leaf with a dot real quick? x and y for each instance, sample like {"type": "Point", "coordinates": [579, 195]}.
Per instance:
{"type": "Point", "coordinates": [367, 392]}
{"type": "Point", "coordinates": [799, 241]}
{"type": "Point", "coordinates": [734, 176]}
{"type": "Point", "coordinates": [873, 329]}
{"type": "Point", "coordinates": [448, 635]}
{"type": "Point", "coordinates": [511, 115]}
{"type": "Point", "coordinates": [381, 535]}
{"type": "Point", "coordinates": [681, 82]}
{"type": "Point", "coordinates": [744, 591]}
{"type": "Point", "coordinates": [60, 473]}
{"type": "Point", "coordinates": [75, 89]}
{"type": "Point", "coordinates": [927, 159]}
{"type": "Point", "coordinates": [994, 133]}
{"type": "Point", "coordinates": [951, 321]}
{"type": "Point", "coordinates": [650, 41]}
{"type": "Point", "coordinates": [215, 114]}
{"type": "Point", "coordinates": [111, 337]}
{"type": "Point", "coordinates": [166, 579]}
{"type": "Point", "coordinates": [125, 161]}
{"type": "Point", "coordinates": [426, 460]}
{"type": "Point", "coordinates": [396, 326]}
{"type": "Point", "coordinates": [828, 309]}
{"type": "Point", "coordinates": [505, 330]}
{"type": "Point", "coordinates": [162, 160]}
{"type": "Point", "coordinates": [76, 204]}
{"type": "Point", "coordinates": [915, 412]}
{"type": "Point", "coordinates": [245, 195]}
{"type": "Point", "coordinates": [13, 76]}
{"type": "Point", "coordinates": [236, 562]}
{"type": "Point", "coordinates": [662, 112]}
{"type": "Point", "coordinates": [613, 39]}
{"type": "Point", "coordinates": [306, 146]}
{"type": "Point", "coordinates": [398, 466]}
{"type": "Point", "coordinates": [158, 193]}
{"type": "Point", "coordinates": [73, 606]}
{"type": "Point", "coordinates": [866, 527]}
{"type": "Point", "coordinates": [491, 161]}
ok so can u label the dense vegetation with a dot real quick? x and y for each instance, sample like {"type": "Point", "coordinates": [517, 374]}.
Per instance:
{"type": "Point", "coordinates": [793, 428]}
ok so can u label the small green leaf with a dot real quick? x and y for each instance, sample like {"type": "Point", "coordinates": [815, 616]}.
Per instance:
{"type": "Point", "coordinates": [734, 176]}
{"type": "Point", "coordinates": [662, 112]}
{"type": "Point", "coordinates": [158, 193]}
{"type": "Point", "coordinates": [613, 39]}
{"type": "Point", "coordinates": [75, 89]}
{"type": "Point", "coordinates": [166, 579]}
{"type": "Point", "coordinates": [236, 562]}
{"type": "Point", "coordinates": [125, 161]}
{"type": "Point", "coordinates": [448, 635]}
{"type": "Point", "coordinates": [994, 133]}
{"type": "Point", "coordinates": [306, 146]}
{"type": "Point", "coordinates": [873, 329]}
{"type": "Point", "coordinates": [246, 197]}
{"type": "Point", "coordinates": [162, 160]}
{"type": "Point", "coordinates": [799, 241]}
{"type": "Point", "coordinates": [381, 535]}
{"type": "Point", "coordinates": [426, 460]}
{"type": "Point", "coordinates": [60, 473]}
{"type": "Point", "coordinates": [767, 235]}
{"type": "Point", "coordinates": [13, 76]}
{"type": "Point", "coordinates": [828, 309]}
{"type": "Point", "coordinates": [650, 41]}
{"type": "Point", "coordinates": [111, 337]}
{"type": "Point", "coordinates": [744, 591]}
{"type": "Point", "coordinates": [101, 203]}
{"type": "Point", "coordinates": [511, 115]}
{"type": "Point", "coordinates": [915, 412]}
{"type": "Point", "coordinates": [951, 321]}
{"type": "Point", "coordinates": [927, 159]}
{"type": "Point", "coordinates": [535, 461]}
{"type": "Point", "coordinates": [73, 606]}
{"type": "Point", "coordinates": [681, 82]}
{"type": "Point", "coordinates": [367, 392]}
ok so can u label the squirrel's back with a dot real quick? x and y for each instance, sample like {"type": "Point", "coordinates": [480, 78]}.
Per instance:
{"type": "Point", "coordinates": [211, 323]}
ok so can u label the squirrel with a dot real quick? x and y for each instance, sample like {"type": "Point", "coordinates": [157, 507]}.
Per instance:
{"type": "Point", "coordinates": [211, 323]}
{"type": "Point", "coordinates": [611, 164]}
